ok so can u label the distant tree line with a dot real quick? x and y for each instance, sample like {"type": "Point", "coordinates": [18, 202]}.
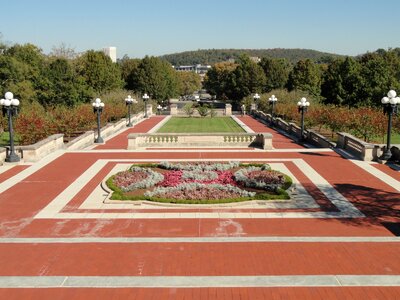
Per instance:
{"type": "Point", "coordinates": [212, 56]}
{"type": "Point", "coordinates": [353, 82]}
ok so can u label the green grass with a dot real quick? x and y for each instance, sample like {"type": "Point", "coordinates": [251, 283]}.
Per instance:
{"type": "Point", "coordinates": [200, 125]}
{"type": "Point", "coordinates": [5, 139]}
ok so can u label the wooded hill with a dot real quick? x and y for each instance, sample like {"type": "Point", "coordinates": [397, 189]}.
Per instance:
{"type": "Point", "coordinates": [212, 56]}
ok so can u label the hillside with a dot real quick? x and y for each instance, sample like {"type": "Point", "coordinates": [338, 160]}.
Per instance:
{"type": "Point", "coordinates": [212, 56]}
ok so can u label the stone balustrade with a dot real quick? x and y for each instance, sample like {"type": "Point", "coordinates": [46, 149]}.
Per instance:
{"type": "Point", "coordinates": [193, 140]}
{"type": "Point", "coordinates": [359, 148]}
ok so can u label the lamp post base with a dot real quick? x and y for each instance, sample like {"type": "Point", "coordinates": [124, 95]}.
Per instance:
{"type": "Point", "coordinates": [386, 155]}
{"type": "Point", "coordinates": [12, 158]}
{"type": "Point", "coordinates": [129, 125]}
{"type": "Point", "coordinates": [99, 140]}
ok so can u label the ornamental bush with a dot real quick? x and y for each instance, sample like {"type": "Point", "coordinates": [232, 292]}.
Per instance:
{"type": "Point", "coordinates": [137, 178]}
{"type": "Point", "coordinates": [257, 177]}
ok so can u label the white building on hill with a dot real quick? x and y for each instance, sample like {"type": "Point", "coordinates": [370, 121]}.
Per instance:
{"type": "Point", "coordinates": [111, 52]}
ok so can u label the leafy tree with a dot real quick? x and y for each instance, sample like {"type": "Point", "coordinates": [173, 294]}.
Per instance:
{"type": "Point", "coordinates": [276, 72]}
{"type": "Point", "coordinates": [305, 76]}
{"type": "Point", "coordinates": [128, 66]}
{"type": "Point", "coordinates": [62, 86]}
{"type": "Point", "coordinates": [218, 80]}
{"type": "Point", "coordinates": [189, 82]}
{"type": "Point", "coordinates": [247, 78]}
{"type": "Point", "coordinates": [155, 77]}
{"type": "Point", "coordinates": [99, 72]}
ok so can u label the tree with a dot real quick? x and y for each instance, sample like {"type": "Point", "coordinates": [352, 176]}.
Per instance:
{"type": "Point", "coordinates": [63, 51]}
{"type": "Point", "coordinates": [99, 72]}
{"type": "Point", "coordinates": [305, 76]}
{"type": "Point", "coordinates": [155, 77]}
{"type": "Point", "coordinates": [247, 78]}
{"type": "Point", "coordinates": [20, 70]}
{"type": "Point", "coordinates": [218, 80]}
{"type": "Point", "coordinates": [189, 82]}
{"type": "Point", "coordinates": [128, 66]}
{"type": "Point", "coordinates": [62, 86]}
{"type": "Point", "coordinates": [276, 72]}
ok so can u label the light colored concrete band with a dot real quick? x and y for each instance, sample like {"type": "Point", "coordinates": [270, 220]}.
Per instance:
{"type": "Point", "coordinates": [197, 281]}
{"type": "Point", "coordinates": [234, 239]}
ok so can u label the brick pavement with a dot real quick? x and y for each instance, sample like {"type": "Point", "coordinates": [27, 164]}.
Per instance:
{"type": "Point", "coordinates": [287, 254]}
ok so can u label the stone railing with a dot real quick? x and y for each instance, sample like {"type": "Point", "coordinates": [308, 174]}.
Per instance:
{"type": "Point", "coordinates": [192, 140]}
{"type": "Point", "coordinates": [359, 148]}
{"type": "Point", "coordinates": [35, 152]}
{"type": "Point", "coordinates": [294, 130]}
{"type": "Point", "coordinates": [318, 140]}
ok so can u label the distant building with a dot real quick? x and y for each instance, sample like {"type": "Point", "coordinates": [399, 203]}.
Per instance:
{"type": "Point", "coordinates": [198, 69]}
{"type": "Point", "coordinates": [255, 59]}
{"type": "Point", "coordinates": [111, 52]}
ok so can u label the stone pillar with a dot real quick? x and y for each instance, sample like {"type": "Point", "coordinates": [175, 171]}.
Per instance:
{"type": "Point", "coordinates": [228, 109]}
{"type": "Point", "coordinates": [149, 109]}
{"type": "Point", "coordinates": [173, 109]}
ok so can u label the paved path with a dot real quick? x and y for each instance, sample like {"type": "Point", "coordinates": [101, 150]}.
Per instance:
{"type": "Point", "coordinates": [58, 240]}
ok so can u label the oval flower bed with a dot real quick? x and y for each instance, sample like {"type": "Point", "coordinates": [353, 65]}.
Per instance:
{"type": "Point", "coordinates": [199, 183]}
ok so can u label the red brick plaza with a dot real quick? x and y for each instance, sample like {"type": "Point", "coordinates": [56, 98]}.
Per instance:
{"type": "Point", "coordinates": [60, 241]}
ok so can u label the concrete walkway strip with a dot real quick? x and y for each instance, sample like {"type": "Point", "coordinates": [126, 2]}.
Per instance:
{"type": "Point", "coordinates": [237, 239]}
{"type": "Point", "coordinates": [197, 281]}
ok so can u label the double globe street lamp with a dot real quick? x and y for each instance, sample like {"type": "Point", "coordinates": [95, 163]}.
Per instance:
{"type": "Point", "coordinates": [10, 108]}
{"type": "Point", "coordinates": [145, 97]}
{"type": "Point", "coordinates": [256, 98]}
{"type": "Point", "coordinates": [129, 101]}
{"type": "Point", "coordinates": [389, 107]}
{"type": "Point", "coordinates": [302, 107]}
{"type": "Point", "coordinates": [98, 107]}
{"type": "Point", "coordinates": [272, 100]}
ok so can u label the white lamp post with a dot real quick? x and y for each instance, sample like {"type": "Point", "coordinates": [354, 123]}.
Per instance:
{"type": "Point", "coordinates": [129, 101]}
{"type": "Point", "coordinates": [302, 106]}
{"type": "Point", "coordinates": [145, 98]}
{"type": "Point", "coordinates": [272, 100]}
{"type": "Point", "coordinates": [10, 108]}
{"type": "Point", "coordinates": [159, 108]}
{"type": "Point", "coordinates": [256, 98]}
{"type": "Point", "coordinates": [98, 107]}
{"type": "Point", "coordinates": [389, 107]}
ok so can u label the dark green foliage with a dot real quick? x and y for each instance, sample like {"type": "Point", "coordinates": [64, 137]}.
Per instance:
{"type": "Point", "coordinates": [62, 86]}
{"type": "Point", "coordinates": [99, 72]}
{"type": "Point", "coordinates": [305, 76]}
{"type": "Point", "coordinates": [155, 77]}
{"type": "Point", "coordinates": [212, 56]}
{"type": "Point", "coordinates": [276, 72]}
{"type": "Point", "coordinates": [235, 81]}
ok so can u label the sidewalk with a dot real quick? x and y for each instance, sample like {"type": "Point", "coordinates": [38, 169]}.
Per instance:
{"type": "Point", "coordinates": [58, 240]}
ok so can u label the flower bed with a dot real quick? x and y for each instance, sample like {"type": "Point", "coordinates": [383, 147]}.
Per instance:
{"type": "Point", "coordinates": [199, 183]}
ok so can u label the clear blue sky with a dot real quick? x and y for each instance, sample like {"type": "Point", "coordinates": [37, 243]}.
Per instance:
{"type": "Point", "coordinates": [156, 27]}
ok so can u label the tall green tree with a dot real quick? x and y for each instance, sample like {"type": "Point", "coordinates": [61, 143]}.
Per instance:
{"type": "Point", "coordinates": [305, 76]}
{"type": "Point", "coordinates": [189, 82]}
{"type": "Point", "coordinates": [247, 78]}
{"type": "Point", "coordinates": [276, 72]}
{"type": "Point", "coordinates": [155, 77]}
{"type": "Point", "coordinates": [62, 86]}
{"type": "Point", "coordinates": [128, 66]}
{"type": "Point", "coordinates": [218, 80]}
{"type": "Point", "coordinates": [99, 72]}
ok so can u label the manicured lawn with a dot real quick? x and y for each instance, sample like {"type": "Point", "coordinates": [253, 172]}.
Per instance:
{"type": "Point", "coordinates": [5, 139]}
{"type": "Point", "coordinates": [209, 125]}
